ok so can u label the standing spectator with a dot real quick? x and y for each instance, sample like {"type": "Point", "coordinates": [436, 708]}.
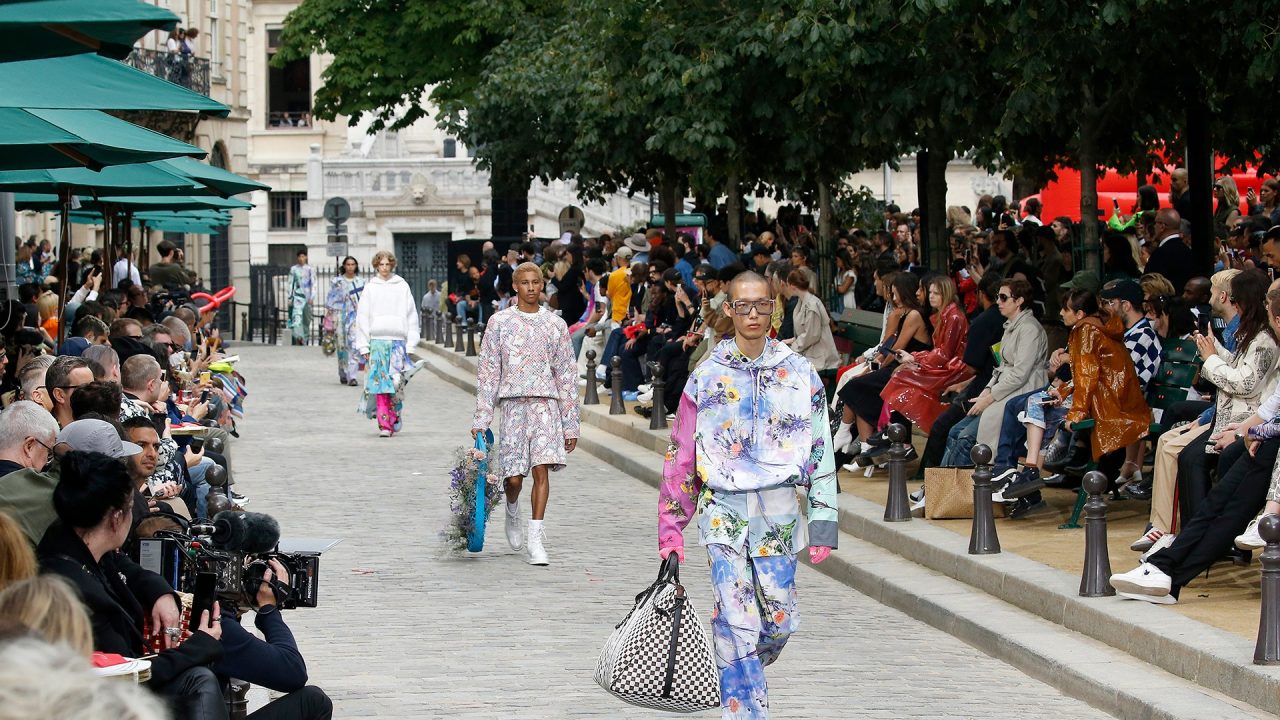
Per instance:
{"type": "Point", "coordinates": [719, 255]}
{"type": "Point", "coordinates": [1171, 257]}
{"type": "Point", "coordinates": [386, 327]}
{"type": "Point", "coordinates": [1118, 261]}
{"type": "Point", "coordinates": [125, 269]}
{"type": "Point", "coordinates": [302, 278]}
{"type": "Point", "coordinates": [1180, 192]}
{"type": "Point", "coordinates": [1227, 210]}
{"type": "Point", "coordinates": [168, 272]}
{"type": "Point", "coordinates": [846, 283]}
{"type": "Point", "coordinates": [618, 288]}
{"type": "Point", "coordinates": [813, 337]}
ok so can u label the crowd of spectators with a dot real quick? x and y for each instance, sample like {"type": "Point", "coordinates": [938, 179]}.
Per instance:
{"type": "Point", "coordinates": [1014, 343]}
{"type": "Point", "coordinates": [124, 429]}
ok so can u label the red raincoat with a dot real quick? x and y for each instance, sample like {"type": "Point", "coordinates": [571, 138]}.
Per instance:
{"type": "Point", "coordinates": [915, 391]}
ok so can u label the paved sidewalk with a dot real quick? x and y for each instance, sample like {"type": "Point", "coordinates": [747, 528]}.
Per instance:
{"type": "Point", "coordinates": [406, 631]}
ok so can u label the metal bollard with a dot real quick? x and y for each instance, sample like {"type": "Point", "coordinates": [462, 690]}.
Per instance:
{"type": "Point", "coordinates": [658, 413]}
{"type": "Point", "coordinates": [448, 334]}
{"type": "Point", "coordinates": [1097, 560]}
{"type": "Point", "coordinates": [215, 444]}
{"type": "Point", "coordinates": [982, 538]}
{"type": "Point", "coordinates": [237, 699]}
{"type": "Point", "coordinates": [896, 506]}
{"type": "Point", "coordinates": [615, 384]}
{"type": "Point", "coordinates": [592, 396]}
{"type": "Point", "coordinates": [439, 327]}
{"type": "Point", "coordinates": [457, 345]}
{"type": "Point", "coordinates": [471, 340]}
{"type": "Point", "coordinates": [1267, 651]}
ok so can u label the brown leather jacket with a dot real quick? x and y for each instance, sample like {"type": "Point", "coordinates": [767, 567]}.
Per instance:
{"type": "Point", "coordinates": [1106, 386]}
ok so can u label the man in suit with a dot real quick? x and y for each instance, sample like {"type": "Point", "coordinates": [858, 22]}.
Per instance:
{"type": "Point", "coordinates": [1171, 256]}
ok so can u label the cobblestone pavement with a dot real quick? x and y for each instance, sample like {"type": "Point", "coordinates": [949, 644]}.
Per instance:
{"type": "Point", "coordinates": [404, 631]}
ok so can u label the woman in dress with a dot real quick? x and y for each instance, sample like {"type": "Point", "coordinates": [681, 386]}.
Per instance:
{"type": "Point", "coordinates": [344, 296]}
{"type": "Point", "coordinates": [302, 278]}
{"type": "Point", "coordinates": [386, 327]}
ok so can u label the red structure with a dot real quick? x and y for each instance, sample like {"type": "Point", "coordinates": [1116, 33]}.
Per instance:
{"type": "Point", "coordinates": [1062, 197]}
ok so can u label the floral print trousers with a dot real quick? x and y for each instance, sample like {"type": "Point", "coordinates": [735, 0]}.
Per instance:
{"type": "Point", "coordinates": [754, 615]}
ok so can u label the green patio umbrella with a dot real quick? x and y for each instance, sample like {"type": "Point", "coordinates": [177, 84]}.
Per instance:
{"type": "Point", "coordinates": [44, 202]}
{"type": "Point", "coordinates": [135, 180]}
{"type": "Point", "coordinates": [92, 82]}
{"type": "Point", "coordinates": [43, 139]}
{"type": "Point", "coordinates": [174, 224]}
{"type": "Point", "coordinates": [220, 181]}
{"type": "Point", "coordinates": [51, 28]}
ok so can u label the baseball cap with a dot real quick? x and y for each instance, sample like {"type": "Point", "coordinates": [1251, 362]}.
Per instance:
{"type": "Point", "coordinates": [1083, 280]}
{"type": "Point", "coordinates": [624, 252]}
{"type": "Point", "coordinates": [96, 436]}
{"type": "Point", "coordinates": [1124, 290]}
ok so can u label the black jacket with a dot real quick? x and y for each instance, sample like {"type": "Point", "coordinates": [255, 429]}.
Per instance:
{"type": "Point", "coordinates": [1174, 260]}
{"type": "Point", "coordinates": [274, 663]}
{"type": "Point", "coordinates": [119, 594]}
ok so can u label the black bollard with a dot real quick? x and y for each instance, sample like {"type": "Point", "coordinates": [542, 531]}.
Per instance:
{"type": "Point", "coordinates": [1097, 561]}
{"type": "Point", "coordinates": [982, 538]}
{"type": "Point", "coordinates": [1267, 651]}
{"type": "Point", "coordinates": [215, 444]}
{"type": "Point", "coordinates": [471, 340]}
{"type": "Point", "coordinates": [437, 332]}
{"type": "Point", "coordinates": [457, 344]}
{"type": "Point", "coordinates": [237, 699]}
{"type": "Point", "coordinates": [448, 334]}
{"type": "Point", "coordinates": [658, 413]}
{"type": "Point", "coordinates": [896, 506]}
{"type": "Point", "coordinates": [592, 396]}
{"type": "Point", "coordinates": [615, 384]}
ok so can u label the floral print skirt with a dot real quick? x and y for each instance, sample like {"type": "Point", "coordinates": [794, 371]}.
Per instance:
{"type": "Point", "coordinates": [388, 360]}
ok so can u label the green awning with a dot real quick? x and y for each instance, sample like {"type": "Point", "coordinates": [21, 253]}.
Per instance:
{"type": "Point", "coordinates": [110, 181]}
{"type": "Point", "coordinates": [51, 203]}
{"type": "Point", "coordinates": [174, 224]}
{"type": "Point", "coordinates": [92, 82]}
{"type": "Point", "coordinates": [208, 217]}
{"type": "Point", "coordinates": [44, 139]}
{"type": "Point", "coordinates": [220, 181]}
{"type": "Point", "coordinates": [52, 28]}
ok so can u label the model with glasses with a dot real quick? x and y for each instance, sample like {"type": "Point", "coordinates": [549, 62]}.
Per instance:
{"type": "Point", "coordinates": [751, 428]}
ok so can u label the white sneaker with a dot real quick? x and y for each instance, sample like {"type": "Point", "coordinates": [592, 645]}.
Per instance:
{"type": "Point", "coordinates": [600, 373]}
{"type": "Point", "coordinates": [843, 436]}
{"type": "Point", "coordinates": [1165, 541]}
{"type": "Point", "coordinates": [1147, 541]}
{"type": "Point", "coordinates": [1250, 539]}
{"type": "Point", "coordinates": [644, 396]}
{"type": "Point", "coordinates": [1146, 579]}
{"type": "Point", "coordinates": [1000, 482]}
{"type": "Point", "coordinates": [537, 553]}
{"type": "Point", "coordinates": [1154, 599]}
{"type": "Point", "coordinates": [384, 433]}
{"type": "Point", "coordinates": [645, 388]}
{"type": "Point", "coordinates": [515, 534]}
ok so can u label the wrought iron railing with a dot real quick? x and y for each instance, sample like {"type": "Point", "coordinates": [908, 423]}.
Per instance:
{"type": "Point", "coordinates": [180, 69]}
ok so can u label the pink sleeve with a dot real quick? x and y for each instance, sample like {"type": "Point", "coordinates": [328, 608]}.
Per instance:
{"type": "Point", "coordinates": [564, 367]}
{"type": "Point", "coordinates": [488, 376]}
{"type": "Point", "coordinates": [678, 494]}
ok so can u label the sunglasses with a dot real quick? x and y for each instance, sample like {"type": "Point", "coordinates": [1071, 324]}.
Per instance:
{"type": "Point", "coordinates": [743, 307]}
{"type": "Point", "coordinates": [1002, 297]}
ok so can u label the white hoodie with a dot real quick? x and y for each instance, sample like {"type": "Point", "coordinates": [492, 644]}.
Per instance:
{"type": "Point", "coordinates": [387, 311]}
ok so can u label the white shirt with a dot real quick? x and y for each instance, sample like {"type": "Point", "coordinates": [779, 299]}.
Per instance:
{"type": "Point", "coordinates": [123, 268]}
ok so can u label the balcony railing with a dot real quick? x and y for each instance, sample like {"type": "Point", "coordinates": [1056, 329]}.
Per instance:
{"type": "Point", "coordinates": [289, 119]}
{"type": "Point", "coordinates": [189, 72]}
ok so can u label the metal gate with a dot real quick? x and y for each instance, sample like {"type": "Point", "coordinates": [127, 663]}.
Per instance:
{"type": "Point", "coordinates": [421, 257]}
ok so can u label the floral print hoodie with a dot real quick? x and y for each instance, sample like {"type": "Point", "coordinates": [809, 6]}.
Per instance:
{"type": "Point", "coordinates": [746, 435]}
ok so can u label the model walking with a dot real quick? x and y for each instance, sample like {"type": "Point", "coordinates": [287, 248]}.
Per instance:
{"type": "Point", "coordinates": [386, 327]}
{"type": "Point", "coordinates": [302, 279]}
{"type": "Point", "coordinates": [750, 429]}
{"type": "Point", "coordinates": [344, 297]}
{"type": "Point", "coordinates": [526, 371]}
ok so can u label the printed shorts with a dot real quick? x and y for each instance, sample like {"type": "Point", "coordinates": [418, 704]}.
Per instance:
{"type": "Point", "coordinates": [531, 434]}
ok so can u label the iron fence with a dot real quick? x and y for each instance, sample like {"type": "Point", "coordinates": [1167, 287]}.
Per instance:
{"type": "Point", "coordinates": [190, 72]}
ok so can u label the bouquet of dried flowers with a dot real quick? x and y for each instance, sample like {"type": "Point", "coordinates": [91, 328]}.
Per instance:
{"type": "Point", "coordinates": [467, 481]}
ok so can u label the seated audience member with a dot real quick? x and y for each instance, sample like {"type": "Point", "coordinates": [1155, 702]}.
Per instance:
{"type": "Point", "coordinates": [17, 561]}
{"type": "Point", "coordinates": [28, 434]}
{"type": "Point", "coordinates": [94, 501]}
{"type": "Point", "coordinates": [62, 378]}
{"type": "Point", "coordinates": [1243, 369]}
{"type": "Point", "coordinates": [100, 396]}
{"type": "Point", "coordinates": [1172, 318]}
{"type": "Point", "coordinates": [31, 381]}
{"type": "Point", "coordinates": [813, 338]}
{"type": "Point", "coordinates": [126, 327]}
{"type": "Point", "coordinates": [69, 689]}
{"type": "Point", "coordinates": [905, 330]}
{"type": "Point", "coordinates": [179, 333]}
{"type": "Point", "coordinates": [141, 431]}
{"type": "Point", "coordinates": [1022, 366]}
{"type": "Point", "coordinates": [49, 605]}
{"type": "Point", "coordinates": [87, 331]}
{"type": "Point", "coordinates": [1126, 300]}
{"type": "Point", "coordinates": [1103, 387]}
{"type": "Point", "coordinates": [917, 384]}
{"type": "Point", "coordinates": [145, 392]}
{"type": "Point", "coordinates": [105, 358]}
{"type": "Point", "coordinates": [980, 359]}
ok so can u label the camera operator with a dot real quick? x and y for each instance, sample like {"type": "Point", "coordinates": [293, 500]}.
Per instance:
{"type": "Point", "coordinates": [274, 663]}
{"type": "Point", "coordinates": [94, 504]}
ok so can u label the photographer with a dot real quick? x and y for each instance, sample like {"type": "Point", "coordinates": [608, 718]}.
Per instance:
{"type": "Point", "coordinates": [94, 502]}
{"type": "Point", "coordinates": [274, 663]}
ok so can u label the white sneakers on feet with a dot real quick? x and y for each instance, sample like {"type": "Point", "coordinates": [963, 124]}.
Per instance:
{"type": "Point", "coordinates": [1250, 539]}
{"type": "Point", "coordinates": [1146, 579]}
{"type": "Point", "coordinates": [515, 536]}
{"type": "Point", "coordinates": [537, 553]}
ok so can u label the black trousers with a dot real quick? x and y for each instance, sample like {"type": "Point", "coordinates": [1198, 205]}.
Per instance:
{"type": "Point", "coordinates": [1186, 410]}
{"type": "Point", "coordinates": [194, 694]}
{"type": "Point", "coordinates": [675, 373]}
{"type": "Point", "coordinates": [936, 446]}
{"type": "Point", "coordinates": [1195, 472]}
{"type": "Point", "coordinates": [309, 703]}
{"type": "Point", "coordinates": [862, 394]}
{"type": "Point", "coordinates": [1225, 513]}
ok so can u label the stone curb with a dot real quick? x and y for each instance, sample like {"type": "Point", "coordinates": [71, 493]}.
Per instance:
{"type": "Point", "coordinates": [1185, 649]}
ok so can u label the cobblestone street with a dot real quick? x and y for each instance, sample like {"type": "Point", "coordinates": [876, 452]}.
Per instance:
{"type": "Point", "coordinates": [406, 631]}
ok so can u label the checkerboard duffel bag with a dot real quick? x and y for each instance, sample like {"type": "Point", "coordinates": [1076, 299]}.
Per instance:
{"type": "Point", "coordinates": [659, 656]}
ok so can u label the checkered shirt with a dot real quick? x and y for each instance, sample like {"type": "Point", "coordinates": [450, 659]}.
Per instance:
{"type": "Point", "coordinates": [1144, 348]}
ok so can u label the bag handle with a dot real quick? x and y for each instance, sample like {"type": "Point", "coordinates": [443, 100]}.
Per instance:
{"type": "Point", "coordinates": [669, 571]}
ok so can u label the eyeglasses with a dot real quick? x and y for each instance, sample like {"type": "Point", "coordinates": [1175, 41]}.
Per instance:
{"type": "Point", "coordinates": [1001, 297]}
{"type": "Point", "coordinates": [744, 307]}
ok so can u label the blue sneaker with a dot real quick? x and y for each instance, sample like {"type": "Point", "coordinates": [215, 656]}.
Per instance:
{"type": "Point", "coordinates": [630, 395]}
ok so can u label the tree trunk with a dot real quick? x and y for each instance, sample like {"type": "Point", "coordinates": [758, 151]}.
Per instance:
{"type": "Point", "coordinates": [933, 208]}
{"type": "Point", "coordinates": [670, 205]}
{"type": "Point", "coordinates": [826, 241]}
{"type": "Point", "coordinates": [1089, 238]}
{"type": "Point", "coordinates": [1200, 177]}
{"type": "Point", "coordinates": [733, 208]}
